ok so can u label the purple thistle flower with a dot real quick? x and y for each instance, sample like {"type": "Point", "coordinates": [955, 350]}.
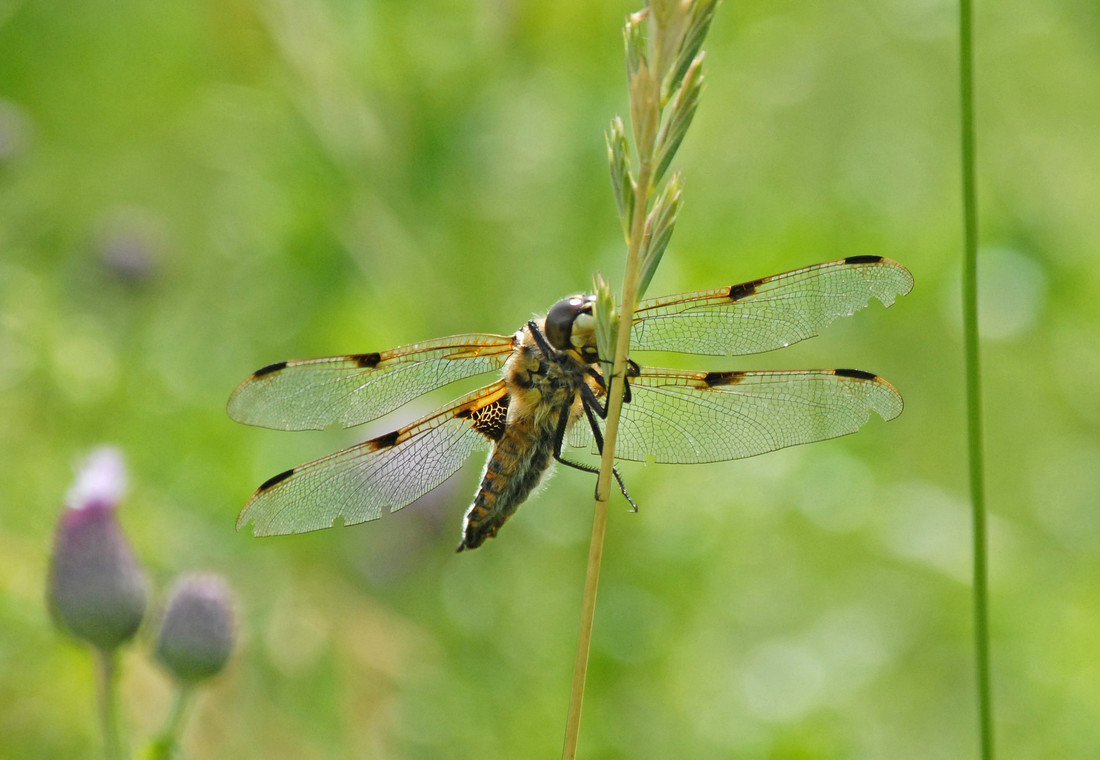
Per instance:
{"type": "Point", "coordinates": [196, 637]}
{"type": "Point", "coordinates": [96, 590]}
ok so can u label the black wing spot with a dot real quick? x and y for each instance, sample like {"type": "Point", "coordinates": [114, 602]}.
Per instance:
{"type": "Point", "coordinates": [367, 361]}
{"type": "Point", "coordinates": [857, 373]}
{"type": "Point", "coordinates": [385, 441]}
{"type": "Point", "coordinates": [272, 482]}
{"type": "Point", "coordinates": [714, 379]}
{"type": "Point", "coordinates": [269, 369]}
{"type": "Point", "coordinates": [862, 259]}
{"type": "Point", "coordinates": [737, 292]}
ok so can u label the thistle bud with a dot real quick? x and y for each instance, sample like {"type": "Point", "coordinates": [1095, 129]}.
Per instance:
{"type": "Point", "coordinates": [196, 637]}
{"type": "Point", "coordinates": [96, 587]}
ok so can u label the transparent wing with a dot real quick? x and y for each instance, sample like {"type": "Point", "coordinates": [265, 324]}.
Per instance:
{"type": "Point", "coordinates": [313, 394]}
{"type": "Point", "coordinates": [769, 313]}
{"type": "Point", "coordinates": [692, 417]}
{"type": "Point", "coordinates": [380, 475]}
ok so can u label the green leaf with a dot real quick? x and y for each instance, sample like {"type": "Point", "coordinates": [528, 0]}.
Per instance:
{"type": "Point", "coordinates": [607, 324]}
{"type": "Point", "coordinates": [645, 112]}
{"type": "Point", "coordinates": [702, 14]}
{"type": "Point", "coordinates": [659, 226]}
{"type": "Point", "coordinates": [622, 180]}
{"type": "Point", "coordinates": [670, 21]}
{"type": "Point", "coordinates": [636, 55]}
{"type": "Point", "coordinates": [683, 111]}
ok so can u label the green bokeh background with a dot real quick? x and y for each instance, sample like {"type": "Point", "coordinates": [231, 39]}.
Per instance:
{"type": "Point", "coordinates": [189, 191]}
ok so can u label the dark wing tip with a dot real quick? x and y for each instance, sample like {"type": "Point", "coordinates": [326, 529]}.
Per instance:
{"type": "Point", "coordinates": [274, 481]}
{"type": "Point", "coordinates": [269, 369]}
{"type": "Point", "coordinates": [862, 259]}
{"type": "Point", "coordinates": [857, 373]}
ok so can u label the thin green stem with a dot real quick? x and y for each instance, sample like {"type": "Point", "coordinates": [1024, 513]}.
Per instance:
{"type": "Point", "coordinates": [603, 484]}
{"type": "Point", "coordinates": [167, 743]}
{"type": "Point", "coordinates": [973, 381]}
{"type": "Point", "coordinates": [107, 695]}
{"type": "Point", "coordinates": [584, 638]}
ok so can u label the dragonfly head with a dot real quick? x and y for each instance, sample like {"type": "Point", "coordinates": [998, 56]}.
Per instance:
{"type": "Point", "coordinates": [570, 325]}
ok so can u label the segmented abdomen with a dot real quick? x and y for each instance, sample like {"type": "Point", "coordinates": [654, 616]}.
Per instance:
{"type": "Point", "coordinates": [515, 466]}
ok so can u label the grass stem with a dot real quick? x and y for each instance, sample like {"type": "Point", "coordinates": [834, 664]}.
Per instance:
{"type": "Point", "coordinates": [603, 484]}
{"type": "Point", "coordinates": [973, 381]}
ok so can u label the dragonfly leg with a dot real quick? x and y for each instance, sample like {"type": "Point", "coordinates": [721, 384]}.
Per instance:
{"type": "Point", "coordinates": [632, 370]}
{"type": "Point", "coordinates": [597, 435]}
{"type": "Point", "coordinates": [540, 340]}
{"type": "Point", "coordinates": [622, 488]}
{"type": "Point", "coordinates": [559, 437]}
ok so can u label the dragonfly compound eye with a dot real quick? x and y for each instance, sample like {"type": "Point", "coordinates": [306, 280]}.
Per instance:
{"type": "Point", "coordinates": [560, 319]}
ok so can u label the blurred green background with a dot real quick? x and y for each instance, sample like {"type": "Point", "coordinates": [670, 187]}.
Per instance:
{"type": "Point", "coordinates": [189, 191]}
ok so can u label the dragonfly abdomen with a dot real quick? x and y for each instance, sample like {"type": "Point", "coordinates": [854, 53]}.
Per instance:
{"type": "Point", "coordinates": [514, 469]}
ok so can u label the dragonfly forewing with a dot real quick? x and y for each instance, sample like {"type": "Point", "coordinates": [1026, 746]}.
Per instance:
{"type": "Point", "coordinates": [768, 313]}
{"type": "Point", "coordinates": [314, 394]}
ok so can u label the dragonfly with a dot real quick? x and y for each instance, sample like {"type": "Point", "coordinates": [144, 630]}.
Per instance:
{"type": "Point", "coordinates": [548, 401]}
